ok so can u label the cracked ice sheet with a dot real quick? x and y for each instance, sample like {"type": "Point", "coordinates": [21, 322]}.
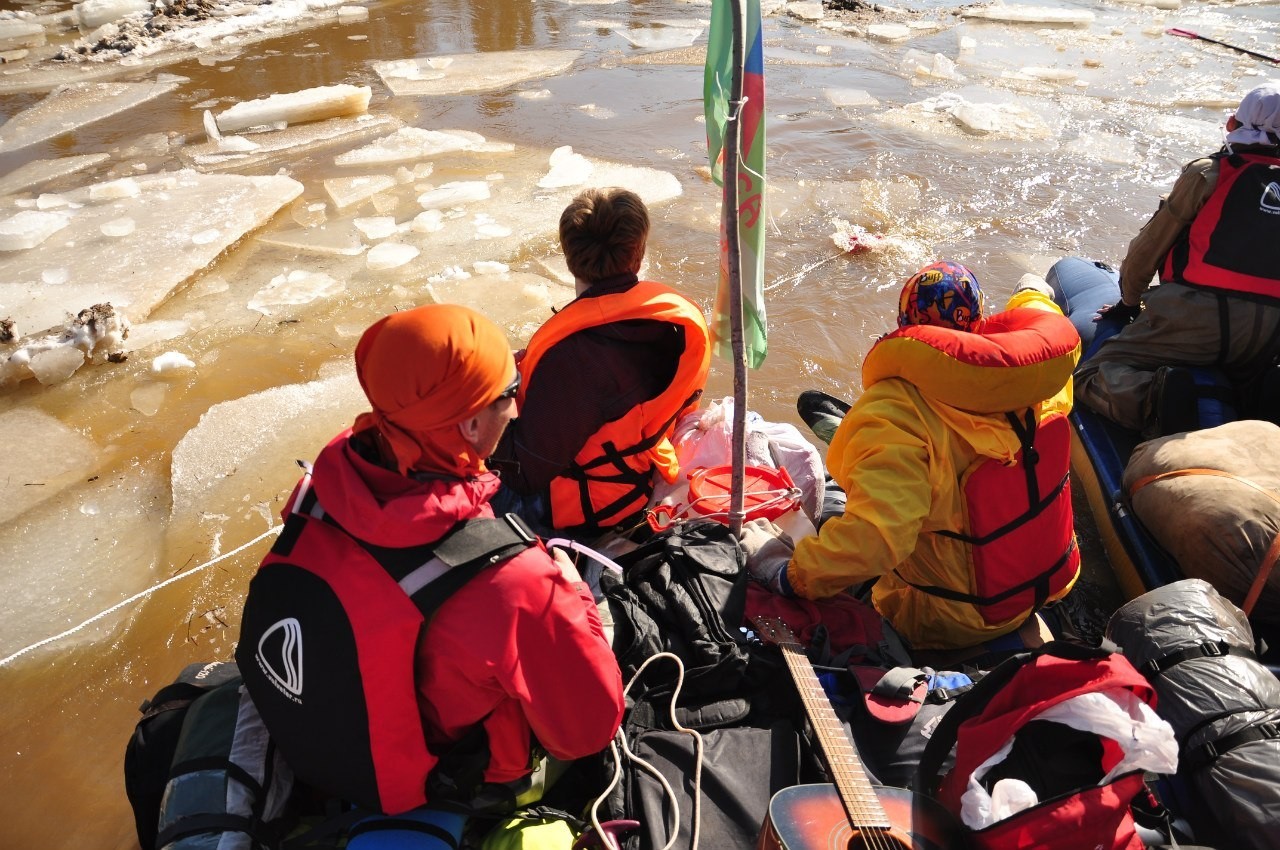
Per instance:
{"type": "Point", "coordinates": [49, 551]}
{"type": "Point", "coordinates": [53, 457]}
{"type": "Point", "coordinates": [287, 144]}
{"type": "Point", "coordinates": [517, 301]}
{"type": "Point", "coordinates": [974, 115]}
{"type": "Point", "coordinates": [467, 73]}
{"type": "Point", "coordinates": [137, 272]}
{"type": "Point", "coordinates": [213, 464]}
{"type": "Point", "coordinates": [74, 106]}
{"type": "Point", "coordinates": [43, 170]}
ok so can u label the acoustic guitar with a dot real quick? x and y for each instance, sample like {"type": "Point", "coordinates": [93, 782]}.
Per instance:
{"type": "Point", "coordinates": [852, 813]}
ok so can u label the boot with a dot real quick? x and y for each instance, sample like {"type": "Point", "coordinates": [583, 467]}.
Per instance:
{"type": "Point", "coordinates": [821, 412]}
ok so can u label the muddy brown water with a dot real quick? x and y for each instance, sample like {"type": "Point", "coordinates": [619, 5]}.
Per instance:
{"type": "Point", "coordinates": [1003, 206]}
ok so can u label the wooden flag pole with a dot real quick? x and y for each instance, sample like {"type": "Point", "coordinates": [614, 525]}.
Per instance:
{"type": "Point", "coordinates": [732, 145]}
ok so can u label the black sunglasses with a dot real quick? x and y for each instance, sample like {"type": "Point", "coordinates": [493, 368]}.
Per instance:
{"type": "Point", "coordinates": [511, 390]}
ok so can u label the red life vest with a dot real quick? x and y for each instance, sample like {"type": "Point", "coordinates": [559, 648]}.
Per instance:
{"type": "Point", "coordinates": [327, 644]}
{"type": "Point", "coordinates": [611, 479]}
{"type": "Point", "coordinates": [1234, 242]}
{"type": "Point", "coordinates": [987, 717]}
{"type": "Point", "coordinates": [1018, 521]}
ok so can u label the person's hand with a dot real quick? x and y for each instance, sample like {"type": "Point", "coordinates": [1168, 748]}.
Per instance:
{"type": "Point", "coordinates": [1122, 313]}
{"type": "Point", "coordinates": [768, 550]}
{"type": "Point", "coordinates": [565, 563]}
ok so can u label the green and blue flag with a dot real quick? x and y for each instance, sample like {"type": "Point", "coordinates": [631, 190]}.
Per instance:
{"type": "Point", "coordinates": [717, 82]}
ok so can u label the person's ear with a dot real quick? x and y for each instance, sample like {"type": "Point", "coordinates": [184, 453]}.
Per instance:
{"type": "Point", "coordinates": [470, 429]}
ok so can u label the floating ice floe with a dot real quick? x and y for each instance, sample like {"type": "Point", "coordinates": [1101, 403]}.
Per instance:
{"type": "Point", "coordinates": [352, 14]}
{"type": "Point", "coordinates": [888, 32]}
{"type": "Point", "coordinates": [471, 72]}
{"type": "Point", "coordinates": [39, 171]}
{"type": "Point", "coordinates": [414, 143]}
{"type": "Point", "coordinates": [95, 333]}
{"type": "Point", "coordinates": [74, 106]}
{"type": "Point", "coordinates": [490, 267]}
{"type": "Point", "coordinates": [1029, 14]}
{"type": "Point", "coordinates": [53, 457]}
{"type": "Point", "coordinates": [293, 288]}
{"type": "Point", "coordinates": [937, 66]}
{"type": "Point", "coordinates": [95, 13]}
{"type": "Point", "coordinates": [171, 362]}
{"type": "Point", "coordinates": [454, 194]}
{"type": "Point", "coordinates": [29, 228]}
{"type": "Point", "coordinates": [287, 144]}
{"type": "Point", "coordinates": [1053, 75]}
{"type": "Point", "coordinates": [376, 227]}
{"type": "Point", "coordinates": [997, 117]}
{"type": "Point", "coordinates": [115, 190]}
{"type": "Point", "coordinates": [346, 191]}
{"type": "Point", "coordinates": [567, 169]}
{"type": "Point", "coordinates": [137, 271]}
{"type": "Point", "coordinates": [332, 239]}
{"type": "Point", "coordinates": [16, 33]}
{"type": "Point", "coordinates": [429, 221]}
{"type": "Point", "coordinates": [660, 38]}
{"type": "Point", "coordinates": [297, 107]}
{"type": "Point", "coordinates": [389, 255]}
{"type": "Point", "coordinates": [850, 97]}
{"type": "Point", "coordinates": [806, 10]}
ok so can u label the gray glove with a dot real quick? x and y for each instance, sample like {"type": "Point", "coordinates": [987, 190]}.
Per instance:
{"type": "Point", "coordinates": [768, 550]}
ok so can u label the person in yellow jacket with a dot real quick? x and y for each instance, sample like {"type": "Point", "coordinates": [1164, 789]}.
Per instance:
{"type": "Point", "coordinates": [955, 463]}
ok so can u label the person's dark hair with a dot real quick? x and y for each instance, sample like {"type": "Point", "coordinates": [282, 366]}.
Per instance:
{"type": "Point", "coordinates": [603, 233]}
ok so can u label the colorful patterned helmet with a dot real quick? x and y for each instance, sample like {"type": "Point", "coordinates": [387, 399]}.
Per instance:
{"type": "Point", "coordinates": [942, 293]}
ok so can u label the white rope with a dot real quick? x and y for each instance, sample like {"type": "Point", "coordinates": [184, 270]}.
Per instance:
{"type": "Point", "coordinates": [621, 739]}
{"type": "Point", "coordinates": [566, 543]}
{"type": "Point", "coordinates": [269, 532]}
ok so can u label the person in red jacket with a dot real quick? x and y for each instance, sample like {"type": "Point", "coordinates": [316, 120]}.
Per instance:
{"type": "Point", "coordinates": [518, 652]}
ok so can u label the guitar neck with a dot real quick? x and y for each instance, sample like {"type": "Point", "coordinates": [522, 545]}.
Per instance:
{"type": "Point", "coordinates": [855, 789]}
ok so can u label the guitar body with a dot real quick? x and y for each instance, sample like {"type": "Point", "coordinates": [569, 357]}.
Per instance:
{"type": "Point", "coordinates": [812, 817]}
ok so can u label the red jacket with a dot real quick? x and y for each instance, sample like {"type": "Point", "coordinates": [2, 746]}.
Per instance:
{"type": "Point", "coordinates": [517, 649]}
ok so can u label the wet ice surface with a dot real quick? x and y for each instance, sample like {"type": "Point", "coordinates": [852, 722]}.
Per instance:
{"type": "Point", "coordinates": [298, 107]}
{"type": "Point", "coordinates": [77, 105]}
{"type": "Point", "coordinates": [43, 170]}
{"type": "Point", "coordinates": [467, 73]}
{"type": "Point", "coordinates": [282, 146]}
{"type": "Point", "coordinates": [183, 220]}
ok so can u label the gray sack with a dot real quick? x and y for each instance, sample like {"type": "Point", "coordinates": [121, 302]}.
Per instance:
{"type": "Point", "coordinates": [1223, 705]}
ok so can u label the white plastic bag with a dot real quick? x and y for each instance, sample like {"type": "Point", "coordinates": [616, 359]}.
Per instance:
{"type": "Point", "coordinates": [703, 438]}
{"type": "Point", "coordinates": [1147, 740]}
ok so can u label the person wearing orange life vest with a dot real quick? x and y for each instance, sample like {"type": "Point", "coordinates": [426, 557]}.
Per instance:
{"type": "Point", "coordinates": [1215, 241]}
{"type": "Point", "coordinates": [955, 463]}
{"type": "Point", "coordinates": [604, 380]}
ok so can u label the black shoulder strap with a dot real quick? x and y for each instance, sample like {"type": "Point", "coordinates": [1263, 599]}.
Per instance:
{"type": "Point", "coordinates": [972, 703]}
{"type": "Point", "coordinates": [1209, 649]}
{"type": "Point", "coordinates": [468, 548]}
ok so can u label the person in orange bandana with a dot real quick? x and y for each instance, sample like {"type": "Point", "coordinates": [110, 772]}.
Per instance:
{"type": "Point", "coordinates": [517, 652]}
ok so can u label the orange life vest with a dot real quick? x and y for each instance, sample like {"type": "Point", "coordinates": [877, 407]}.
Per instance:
{"type": "Point", "coordinates": [610, 479]}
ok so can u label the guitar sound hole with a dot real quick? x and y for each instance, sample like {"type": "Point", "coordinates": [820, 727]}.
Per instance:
{"type": "Point", "coordinates": [868, 839]}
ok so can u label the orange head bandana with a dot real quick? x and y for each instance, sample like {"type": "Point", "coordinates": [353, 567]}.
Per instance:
{"type": "Point", "coordinates": [424, 371]}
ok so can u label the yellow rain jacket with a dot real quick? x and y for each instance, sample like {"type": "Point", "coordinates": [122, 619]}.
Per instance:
{"type": "Point", "coordinates": [900, 454]}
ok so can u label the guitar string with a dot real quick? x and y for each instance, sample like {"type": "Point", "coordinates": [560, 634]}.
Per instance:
{"type": "Point", "coordinates": [874, 837]}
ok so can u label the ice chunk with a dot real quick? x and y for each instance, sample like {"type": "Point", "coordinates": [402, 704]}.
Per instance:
{"type": "Point", "coordinates": [454, 194]}
{"type": "Point", "coordinates": [55, 365]}
{"type": "Point", "coordinates": [211, 127]}
{"type": "Point", "coordinates": [16, 33]}
{"type": "Point", "coordinates": [490, 267]}
{"type": "Point", "coordinates": [50, 202]}
{"type": "Point", "coordinates": [472, 72]}
{"type": "Point", "coordinates": [345, 191]}
{"type": "Point", "coordinates": [330, 239]}
{"type": "Point", "coordinates": [411, 143]}
{"type": "Point", "coordinates": [1056, 75]}
{"type": "Point", "coordinates": [378, 227]}
{"type": "Point", "coordinates": [285, 145]}
{"type": "Point", "coordinates": [137, 271]}
{"type": "Point", "coordinates": [487, 228]}
{"type": "Point", "coordinates": [118, 227]}
{"type": "Point", "coordinates": [95, 13]}
{"type": "Point", "coordinates": [352, 14]}
{"type": "Point", "coordinates": [428, 222]}
{"type": "Point", "coordinates": [74, 106]}
{"type": "Point", "coordinates": [43, 170]}
{"type": "Point", "coordinates": [55, 277]}
{"type": "Point", "coordinates": [850, 97]}
{"type": "Point", "coordinates": [567, 169]}
{"type": "Point", "coordinates": [806, 11]}
{"type": "Point", "coordinates": [210, 462]}
{"type": "Point", "coordinates": [534, 94]}
{"type": "Point", "coordinates": [660, 38]}
{"type": "Point", "coordinates": [294, 288]}
{"type": "Point", "coordinates": [53, 457]}
{"type": "Point", "coordinates": [171, 361]}
{"type": "Point", "coordinates": [29, 228]}
{"type": "Point", "coordinates": [114, 190]}
{"type": "Point", "coordinates": [149, 398]}
{"type": "Point", "coordinates": [1029, 14]}
{"type": "Point", "coordinates": [296, 107]}
{"type": "Point", "coordinates": [888, 32]}
{"type": "Point", "coordinates": [390, 255]}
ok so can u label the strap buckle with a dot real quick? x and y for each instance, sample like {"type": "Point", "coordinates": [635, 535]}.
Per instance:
{"type": "Point", "coordinates": [1213, 650]}
{"type": "Point", "coordinates": [518, 526]}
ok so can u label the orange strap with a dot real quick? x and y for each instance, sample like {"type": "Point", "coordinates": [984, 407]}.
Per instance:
{"type": "Point", "coordinates": [1273, 553]}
